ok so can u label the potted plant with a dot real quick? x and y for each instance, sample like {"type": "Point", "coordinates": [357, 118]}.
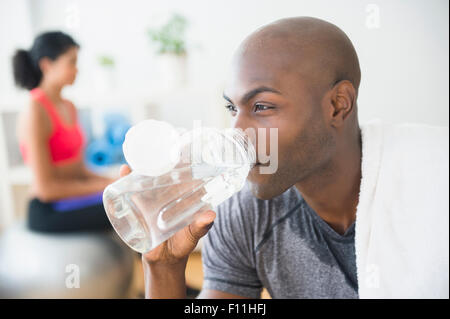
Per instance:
{"type": "Point", "coordinates": [170, 44]}
{"type": "Point", "coordinates": [106, 73]}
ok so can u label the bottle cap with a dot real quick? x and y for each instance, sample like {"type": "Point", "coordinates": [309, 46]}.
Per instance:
{"type": "Point", "coordinates": [152, 147]}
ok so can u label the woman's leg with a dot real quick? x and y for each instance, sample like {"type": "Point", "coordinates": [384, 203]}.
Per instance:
{"type": "Point", "coordinates": [42, 217]}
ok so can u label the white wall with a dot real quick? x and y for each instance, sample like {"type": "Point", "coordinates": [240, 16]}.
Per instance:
{"type": "Point", "coordinates": [15, 31]}
{"type": "Point", "coordinates": [404, 61]}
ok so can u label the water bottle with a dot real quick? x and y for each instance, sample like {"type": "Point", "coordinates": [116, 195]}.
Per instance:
{"type": "Point", "coordinates": [175, 177]}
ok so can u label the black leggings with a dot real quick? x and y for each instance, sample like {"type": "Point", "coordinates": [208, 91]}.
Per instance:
{"type": "Point", "coordinates": [43, 218]}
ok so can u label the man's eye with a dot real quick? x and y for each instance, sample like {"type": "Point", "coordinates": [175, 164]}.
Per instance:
{"type": "Point", "coordinates": [231, 108]}
{"type": "Point", "coordinates": [262, 107]}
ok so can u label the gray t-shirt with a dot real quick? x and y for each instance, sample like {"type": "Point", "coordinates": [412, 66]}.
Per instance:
{"type": "Point", "coordinates": [280, 244]}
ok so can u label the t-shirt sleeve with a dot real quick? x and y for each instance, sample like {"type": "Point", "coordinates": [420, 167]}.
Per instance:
{"type": "Point", "coordinates": [227, 253]}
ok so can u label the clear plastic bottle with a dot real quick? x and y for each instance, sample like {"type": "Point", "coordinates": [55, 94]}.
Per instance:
{"type": "Point", "coordinates": [147, 210]}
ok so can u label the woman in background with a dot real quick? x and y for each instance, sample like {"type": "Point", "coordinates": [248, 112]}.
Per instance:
{"type": "Point", "coordinates": [66, 196]}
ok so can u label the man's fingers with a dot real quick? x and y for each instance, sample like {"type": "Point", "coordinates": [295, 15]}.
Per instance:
{"type": "Point", "coordinates": [202, 224]}
{"type": "Point", "coordinates": [206, 218]}
{"type": "Point", "coordinates": [124, 170]}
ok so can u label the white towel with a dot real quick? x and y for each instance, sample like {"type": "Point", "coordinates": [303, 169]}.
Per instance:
{"type": "Point", "coordinates": [402, 219]}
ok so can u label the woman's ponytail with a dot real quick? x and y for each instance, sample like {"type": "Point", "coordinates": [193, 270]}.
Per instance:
{"type": "Point", "coordinates": [26, 75]}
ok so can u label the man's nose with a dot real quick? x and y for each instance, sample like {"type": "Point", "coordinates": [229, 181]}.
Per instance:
{"type": "Point", "coordinates": [249, 128]}
{"type": "Point", "coordinates": [241, 121]}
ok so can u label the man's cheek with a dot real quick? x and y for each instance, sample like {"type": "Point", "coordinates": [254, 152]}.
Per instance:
{"type": "Point", "coordinates": [268, 150]}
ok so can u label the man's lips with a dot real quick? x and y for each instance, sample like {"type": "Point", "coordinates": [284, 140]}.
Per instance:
{"type": "Point", "coordinates": [262, 164]}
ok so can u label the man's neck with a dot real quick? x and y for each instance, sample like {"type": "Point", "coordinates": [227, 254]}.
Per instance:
{"type": "Point", "coordinates": [334, 192]}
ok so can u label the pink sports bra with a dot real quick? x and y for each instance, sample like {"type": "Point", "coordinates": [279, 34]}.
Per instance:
{"type": "Point", "coordinates": [66, 141]}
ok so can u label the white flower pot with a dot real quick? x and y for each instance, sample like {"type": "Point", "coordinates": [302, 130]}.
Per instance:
{"type": "Point", "coordinates": [105, 80]}
{"type": "Point", "coordinates": [172, 71]}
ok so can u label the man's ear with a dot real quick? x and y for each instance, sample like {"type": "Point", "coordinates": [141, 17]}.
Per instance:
{"type": "Point", "coordinates": [343, 101]}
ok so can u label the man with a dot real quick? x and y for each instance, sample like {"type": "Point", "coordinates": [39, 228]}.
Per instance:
{"type": "Point", "coordinates": [292, 231]}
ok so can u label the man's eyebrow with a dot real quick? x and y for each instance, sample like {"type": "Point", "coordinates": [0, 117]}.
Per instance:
{"type": "Point", "coordinates": [250, 94]}
{"type": "Point", "coordinates": [227, 98]}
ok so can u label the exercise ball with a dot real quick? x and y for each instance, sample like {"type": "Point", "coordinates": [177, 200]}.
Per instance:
{"type": "Point", "coordinates": [72, 265]}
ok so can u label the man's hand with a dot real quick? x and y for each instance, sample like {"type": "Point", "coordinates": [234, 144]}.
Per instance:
{"type": "Point", "coordinates": [164, 266]}
{"type": "Point", "coordinates": [176, 249]}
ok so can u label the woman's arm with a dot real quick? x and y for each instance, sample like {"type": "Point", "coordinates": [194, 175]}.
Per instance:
{"type": "Point", "coordinates": [88, 175]}
{"type": "Point", "coordinates": [49, 186]}
{"type": "Point", "coordinates": [83, 171]}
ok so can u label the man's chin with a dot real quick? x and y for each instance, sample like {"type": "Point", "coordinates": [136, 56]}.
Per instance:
{"type": "Point", "coordinates": [264, 191]}
{"type": "Point", "coordinates": [255, 176]}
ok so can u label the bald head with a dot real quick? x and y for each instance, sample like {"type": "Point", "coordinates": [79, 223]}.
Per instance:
{"type": "Point", "coordinates": [300, 76]}
{"type": "Point", "coordinates": [317, 50]}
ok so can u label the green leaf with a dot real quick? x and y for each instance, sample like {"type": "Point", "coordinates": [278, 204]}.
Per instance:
{"type": "Point", "coordinates": [170, 38]}
{"type": "Point", "coordinates": [105, 60]}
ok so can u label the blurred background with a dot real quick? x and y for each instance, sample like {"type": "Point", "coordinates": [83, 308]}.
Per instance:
{"type": "Point", "coordinates": [132, 68]}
